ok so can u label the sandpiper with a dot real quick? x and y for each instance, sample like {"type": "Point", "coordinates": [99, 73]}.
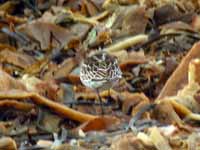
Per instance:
{"type": "Point", "coordinates": [100, 71]}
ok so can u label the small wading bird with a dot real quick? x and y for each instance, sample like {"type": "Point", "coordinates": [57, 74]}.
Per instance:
{"type": "Point", "coordinates": [100, 71]}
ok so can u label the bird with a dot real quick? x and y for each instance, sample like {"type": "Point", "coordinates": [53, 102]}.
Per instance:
{"type": "Point", "coordinates": [100, 71]}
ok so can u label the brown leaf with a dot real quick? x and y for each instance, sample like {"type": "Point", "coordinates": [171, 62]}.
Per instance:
{"type": "Point", "coordinates": [87, 93]}
{"type": "Point", "coordinates": [15, 58]}
{"type": "Point", "coordinates": [6, 46]}
{"type": "Point", "coordinates": [8, 6]}
{"type": "Point", "coordinates": [47, 34]}
{"type": "Point", "coordinates": [134, 58]}
{"type": "Point", "coordinates": [36, 67]}
{"type": "Point", "coordinates": [16, 104]}
{"type": "Point", "coordinates": [165, 14]}
{"type": "Point", "coordinates": [58, 108]}
{"type": "Point", "coordinates": [47, 88]}
{"type": "Point", "coordinates": [100, 123]}
{"type": "Point", "coordinates": [62, 70]}
{"type": "Point", "coordinates": [133, 100]}
{"type": "Point", "coordinates": [130, 20]}
{"type": "Point", "coordinates": [8, 83]}
{"type": "Point", "coordinates": [135, 21]}
{"type": "Point", "coordinates": [50, 90]}
{"type": "Point", "coordinates": [179, 78]}
{"type": "Point", "coordinates": [51, 122]}
{"type": "Point", "coordinates": [12, 19]}
{"type": "Point", "coordinates": [129, 142]}
{"type": "Point", "coordinates": [71, 79]}
{"type": "Point", "coordinates": [164, 112]}
{"type": "Point", "coordinates": [8, 143]}
{"type": "Point", "coordinates": [184, 102]}
{"type": "Point", "coordinates": [178, 25]}
{"type": "Point", "coordinates": [92, 10]}
{"type": "Point", "coordinates": [196, 23]}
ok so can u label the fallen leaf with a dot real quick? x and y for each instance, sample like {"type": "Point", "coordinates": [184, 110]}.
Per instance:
{"type": "Point", "coordinates": [8, 83]}
{"type": "Point", "coordinates": [129, 142]}
{"type": "Point", "coordinates": [159, 141]}
{"type": "Point", "coordinates": [8, 143]}
{"type": "Point", "coordinates": [59, 108]}
{"type": "Point", "coordinates": [134, 58]}
{"type": "Point", "coordinates": [196, 23]}
{"type": "Point", "coordinates": [101, 123]}
{"type": "Point", "coordinates": [132, 101]}
{"type": "Point", "coordinates": [15, 58]}
{"type": "Point", "coordinates": [61, 70]}
{"type": "Point", "coordinates": [47, 34]}
{"type": "Point", "coordinates": [179, 77]}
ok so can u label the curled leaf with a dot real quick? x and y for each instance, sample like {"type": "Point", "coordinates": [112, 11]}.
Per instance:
{"type": "Point", "coordinates": [101, 123]}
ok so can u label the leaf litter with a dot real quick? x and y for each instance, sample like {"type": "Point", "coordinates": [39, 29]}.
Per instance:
{"type": "Point", "coordinates": [43, 102]}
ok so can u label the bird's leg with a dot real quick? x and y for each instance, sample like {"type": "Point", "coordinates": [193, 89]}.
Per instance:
{"type": "Point", "coordinates": [109, 94]}
{"type": "Point", "coordinates": [101, 102]}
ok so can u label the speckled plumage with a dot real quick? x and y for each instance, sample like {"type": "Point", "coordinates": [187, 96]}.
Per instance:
{"type": "Point", "coordinates": [100, 71]}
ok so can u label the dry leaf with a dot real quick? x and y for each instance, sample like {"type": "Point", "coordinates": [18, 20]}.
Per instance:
{"type": "Point", "coordinates": [134, 58]}
{"type": "Point", "coordinates": [8, 83]}
{"type": "Point", "coordinates": [15, 58]}
{"type": "Point", "coordinates": [59, 108]}
{"type": "Point", "coordinates": [159, 141]}
{"type": "Point", "coordinates": [62, 70]}
{"type": "Point", "coordinates": [179, 77]}
{"type": "Point", "coordinates": [49, 35]}
{"type": "Point", "coordinates": [129, 142]}
{"type": "Point", "coordinates": [196, 23]}
{"type": "Point", "coordinates": [101, 123]}
{"type": "Point", "coordinates": [133, 101]}
{"type": "Point", "coordinates": [8, 143]}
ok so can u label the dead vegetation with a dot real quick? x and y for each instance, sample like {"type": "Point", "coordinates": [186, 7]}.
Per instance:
{"type": "Point", "coordinates": [156, 104]}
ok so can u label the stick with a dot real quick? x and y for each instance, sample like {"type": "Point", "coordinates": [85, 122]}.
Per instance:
{"type": "Point", "coordinates": [58, 108]}
{"type": "Point", "coordinates": [17, 105]}
{"type": "Point", "coordinates": [123, 44]}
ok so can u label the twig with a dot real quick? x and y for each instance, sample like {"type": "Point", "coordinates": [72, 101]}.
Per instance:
{"type": "Point", "coordinates": [101, 15]}
{"type": "Point", "coordinates": [80, 18]}
{"type": "Point", "coordinates": [15, 104]}
{"type": "Point", "coordinates": [40, 100]}
{"type": "Point", "coordinates": [159, 37]}
{"type": "Point", "coordinates": [152, 40]}
{"type": "Point", "coordinates": [126, 43]}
